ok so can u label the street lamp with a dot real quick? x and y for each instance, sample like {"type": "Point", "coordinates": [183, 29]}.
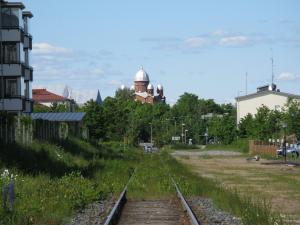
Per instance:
{"type": "Point", "coordinates": [182, 125]}
{"type": "Point", "coordinates": [284, 126]}
{"type": "Point", "coordinates": [185, 135]}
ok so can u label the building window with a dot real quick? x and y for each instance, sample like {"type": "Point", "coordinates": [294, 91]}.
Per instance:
{"type": "Point", "coordinates": [11, 88]}
{"type": "Point", "coordinates": [12, 53]}
{"type": "Point", "coordinates": [11, 17]}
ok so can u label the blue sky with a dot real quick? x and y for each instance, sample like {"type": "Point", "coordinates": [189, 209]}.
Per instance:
{"type": "Point", "coordinates": [202, 47]}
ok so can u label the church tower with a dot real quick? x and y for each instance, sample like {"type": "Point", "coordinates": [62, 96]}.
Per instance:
{"type": "Point", "coordinates": [141, 81]}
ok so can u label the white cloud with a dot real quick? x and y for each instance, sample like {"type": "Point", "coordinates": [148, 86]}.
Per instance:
{"type": "Point", "coordinates": [287, 76]}
{"type": "Point", "coordinates": [234, 41]}
{"type": "Point", "coordinates": [196, 42]}
{"type": "Point", "coordinates": [219, 33]}
{"type": "Point", "coordinates": [48, 49]}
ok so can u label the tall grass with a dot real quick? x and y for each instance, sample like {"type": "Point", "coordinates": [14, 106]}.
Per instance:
{"type": "Point", "coordinates": [54, 180]}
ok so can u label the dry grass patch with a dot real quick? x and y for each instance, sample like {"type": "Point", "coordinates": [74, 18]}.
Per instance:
{"type": "Point", "coordinates": [279, 184]}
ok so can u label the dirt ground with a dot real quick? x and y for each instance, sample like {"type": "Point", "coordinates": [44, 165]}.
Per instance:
{"type": "Point", "coordinates": [277, 183]}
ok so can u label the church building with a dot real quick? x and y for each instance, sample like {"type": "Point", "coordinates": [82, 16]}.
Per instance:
{"type": "Point", "coordinates": [144, 90]}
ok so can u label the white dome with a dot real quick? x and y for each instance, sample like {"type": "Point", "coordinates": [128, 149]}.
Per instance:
{"type": "Point", "coordinates": [141, 75]}
{"type": "Point", "coordinates": [160, 87]}
{"type": "Point", "coordinates": [150, 87]}
{"type": "Point", "coordinates": [123, 87]}
{"type": "Point", "coordinates": [132, 88]}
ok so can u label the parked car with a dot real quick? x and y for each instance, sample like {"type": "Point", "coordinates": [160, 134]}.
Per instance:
{"type": "Point", "coordinates": [294, 151]}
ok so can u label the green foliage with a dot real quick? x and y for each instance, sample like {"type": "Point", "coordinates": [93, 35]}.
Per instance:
{"type": "Point", "coordinates": [51, 181]}
{"type": "Point", "coordinates": [223, 128]}
{"type": "Point", "coordinates": [292, 117]}
{"type": "Point", "coordinates": [26, 121]}
{"type": "Point", "coordinates": [240, 145]}
{"type": "Point", "coordinates": [124, 94]}
{"type": "Point", "coordinates": [269, 123]}
{"type": "Point", "coordinates": [38, 108]}
{"type": "Point", "coordinates": [121, 118]}
{"type": "Point", "coordinates": [59, 107]}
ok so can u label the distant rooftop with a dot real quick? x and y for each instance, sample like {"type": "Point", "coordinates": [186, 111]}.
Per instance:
{"type": "Point", "coordinates": [42, 95]}
{"type": "Point", "coordinates": [266, 92]}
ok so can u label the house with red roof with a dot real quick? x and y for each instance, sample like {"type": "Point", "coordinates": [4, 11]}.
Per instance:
{"type": "Point", "coordinates": [47, 98]}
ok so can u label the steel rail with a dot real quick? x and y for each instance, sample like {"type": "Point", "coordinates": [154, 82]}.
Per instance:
{"type": "Point", "coordinates": [115, 213]}
{"type": "Point", "coordinates": [185, 205]}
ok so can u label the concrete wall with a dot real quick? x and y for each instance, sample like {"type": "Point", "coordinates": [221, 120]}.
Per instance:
{"type": "Point", "coordinates": [272, 101]}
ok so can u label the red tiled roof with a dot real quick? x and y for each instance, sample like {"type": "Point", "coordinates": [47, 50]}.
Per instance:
{"type": "Point", "coordinates": [42, 95]}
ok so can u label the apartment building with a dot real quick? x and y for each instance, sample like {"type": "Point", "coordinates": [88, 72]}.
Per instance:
{"type": "Point", "coordinates": [16, 74]}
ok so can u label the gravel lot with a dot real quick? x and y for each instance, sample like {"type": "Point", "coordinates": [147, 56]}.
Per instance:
{"type": "Point", "coordinates": [93, 214]}
{"type": "Point", "coordinates": [209, 215]}
{"type": "Point", "coordinates": [202, 153]}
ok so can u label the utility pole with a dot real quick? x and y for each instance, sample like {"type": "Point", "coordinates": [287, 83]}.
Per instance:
{"type": "Point", "coordinates": [272, 64]}
{"type": "Point", "coordinates": [182, 125]}
{"type": "Point", "coordinates": [185, 136]}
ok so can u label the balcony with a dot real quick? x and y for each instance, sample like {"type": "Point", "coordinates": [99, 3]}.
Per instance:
{"type": "Point", "coordinates": [12, 34]}
{"type": "Point", "coordinates": [12, 70]}
{"type": "Point", "coordinates": [13, 104]}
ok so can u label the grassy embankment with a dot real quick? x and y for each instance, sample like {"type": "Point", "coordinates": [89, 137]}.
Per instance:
{"type": "Point", "coordinates": [52, 181]}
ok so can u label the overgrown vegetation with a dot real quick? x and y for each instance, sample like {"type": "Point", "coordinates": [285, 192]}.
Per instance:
{"type": "Point", "coordinates": [153, 180]}
{"type": "Point", "coordinates": [53, 180]}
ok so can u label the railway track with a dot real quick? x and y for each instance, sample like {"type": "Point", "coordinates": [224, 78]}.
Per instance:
{"type": "Point", "coordinates": [170, 211]}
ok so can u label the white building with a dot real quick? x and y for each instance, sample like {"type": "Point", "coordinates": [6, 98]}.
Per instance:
{"type": "Point", "coordinates": [267, 96]}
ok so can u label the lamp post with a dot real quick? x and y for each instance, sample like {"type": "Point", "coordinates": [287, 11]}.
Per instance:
{"type": "Point", "coordinates": [185, 136]}
{"type": "Point", "coordinates": [182, 125]}
{"type": "Point", "coordinates": [284, 126]}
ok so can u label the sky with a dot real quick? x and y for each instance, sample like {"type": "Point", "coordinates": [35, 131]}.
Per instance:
{"type": "Point", "coordinates": [195, 46]}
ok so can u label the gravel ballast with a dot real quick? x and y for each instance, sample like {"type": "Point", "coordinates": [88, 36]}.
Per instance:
{"type": "Point", "coordinates": [93, 214]}
{"type": "Point", "coordinates": [207, 214]}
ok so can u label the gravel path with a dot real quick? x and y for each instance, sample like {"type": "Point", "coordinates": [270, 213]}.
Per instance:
{"type": "Point", "coordinates": [209, 215]}
{"type": "Point", "coordinates": [93, 214]}
{"type": "Point", "coordinates": [203, 153]}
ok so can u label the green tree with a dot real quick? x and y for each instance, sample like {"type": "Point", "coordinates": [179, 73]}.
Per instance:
{"type": "Point", "coordinates": [292, 117]}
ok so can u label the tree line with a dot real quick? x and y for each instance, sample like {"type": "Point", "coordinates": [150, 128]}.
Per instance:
{"type": "Point", "coordinates": [120, 118]}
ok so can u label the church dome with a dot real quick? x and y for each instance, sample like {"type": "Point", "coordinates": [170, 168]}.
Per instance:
{"type": "Point", "coordinates": [132, 88]}
{"type": "Point", "coordinates": [150, 87]}
{"type": "Point", "coordinates": [160, 87]}
{"type": "Point", "coordinates": [141, 75]}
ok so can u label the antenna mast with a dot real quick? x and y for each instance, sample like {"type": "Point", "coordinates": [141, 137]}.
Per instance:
{"type": "Point", "coordinates": [246, 83]}
{"type": "Point", "coordinates": [272, 64]}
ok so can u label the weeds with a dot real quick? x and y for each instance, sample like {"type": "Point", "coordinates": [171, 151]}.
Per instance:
{"type": "Point", "coordinates": [54, 181]}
